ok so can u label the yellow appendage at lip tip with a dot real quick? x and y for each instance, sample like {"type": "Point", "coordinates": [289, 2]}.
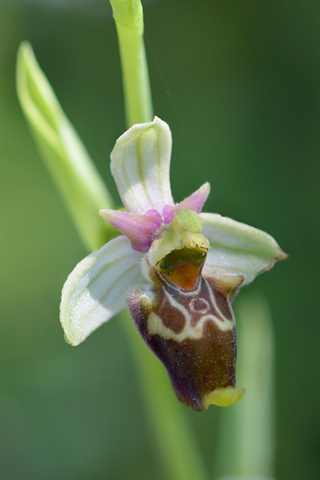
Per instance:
{"type": "Point", "coordinates": [223, 397]}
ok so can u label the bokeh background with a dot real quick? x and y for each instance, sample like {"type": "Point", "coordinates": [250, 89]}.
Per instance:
{"type": "Point", "coordinates": [239, 84]}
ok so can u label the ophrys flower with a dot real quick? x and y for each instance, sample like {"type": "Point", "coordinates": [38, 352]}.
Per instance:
{"type": "Point", "coordinates": [177, 270]}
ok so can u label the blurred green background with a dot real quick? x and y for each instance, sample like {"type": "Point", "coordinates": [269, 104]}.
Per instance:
{"type": "Point", "coordinates": [239, 84]}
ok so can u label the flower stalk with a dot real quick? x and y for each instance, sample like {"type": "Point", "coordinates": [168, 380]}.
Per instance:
{"type": "Point", "coordinates": [128, 16]}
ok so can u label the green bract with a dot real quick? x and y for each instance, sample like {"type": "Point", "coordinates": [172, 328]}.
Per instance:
{"type": "Point", "coordinates": [63, 152]}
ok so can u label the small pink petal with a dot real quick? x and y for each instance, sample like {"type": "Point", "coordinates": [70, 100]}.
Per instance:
{"type": "Point", "coordinates": [138, 228]}
{"type": "Point", "coordinates": [168, 213]}
{"type": "Point", "coordinates": [195, 202]}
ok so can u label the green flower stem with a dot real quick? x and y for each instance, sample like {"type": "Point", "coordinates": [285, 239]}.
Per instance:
{"type": "Point", "coordinates": [246, 442]}
{"type": "Point", "coordinates": [176, 444]}
{"type": "Point", "coordinates": [64, 155]}
{"type": "Point", "coordinates": [128, 16]}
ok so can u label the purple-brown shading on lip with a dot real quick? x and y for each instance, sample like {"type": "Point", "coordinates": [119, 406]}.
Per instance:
{"type": "Point", "coordinates": [197, 363]}
{"type": "Point", "coordinates": [171, 317]}
{"type": "Point", "coordinates": [198, 366]}
{"type": "Point", "coordinates": [201, 296]}
{"type": "Point", "coordinates": [221, 300]}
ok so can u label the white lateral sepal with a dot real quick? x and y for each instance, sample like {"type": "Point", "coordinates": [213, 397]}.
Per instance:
{"type": "Point", "coordinates": [237, 248]}
{"type": "Point", "coordinates": [96, 289]}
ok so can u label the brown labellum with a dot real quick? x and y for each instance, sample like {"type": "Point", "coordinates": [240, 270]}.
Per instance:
{"type": "Point", "coordinates": [188, 322]}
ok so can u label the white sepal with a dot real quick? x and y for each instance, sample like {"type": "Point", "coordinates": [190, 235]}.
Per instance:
{"type": "Point", "coordinates": [96, 290]}
{"type": "Point", "coordinates": [237, 248]}
{"type": "Point", "coordinates": [140, 163]}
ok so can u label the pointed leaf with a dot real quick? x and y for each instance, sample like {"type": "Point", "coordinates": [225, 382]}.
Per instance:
{"type": "Point", "coordinates": [237, 248]}
{"type": "Point", "coordinates": [96, 290]}
{"type": "Point", "coordinates": [65, 156]}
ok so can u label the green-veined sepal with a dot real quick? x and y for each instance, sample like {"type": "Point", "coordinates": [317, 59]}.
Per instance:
{"type": "Point", "coordinates": [97, 288]}
{"type": "Point", "coordinates": [140, 163]}
{"type": "Point", "coordinates": [237, 248]}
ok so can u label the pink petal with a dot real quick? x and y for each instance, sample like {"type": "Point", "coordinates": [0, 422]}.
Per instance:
{"type": "Point", "coordinates": [195, 202]}
{"type": "Point", "coordinates": [138, 228]}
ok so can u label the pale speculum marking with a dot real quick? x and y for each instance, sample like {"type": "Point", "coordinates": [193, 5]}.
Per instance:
{"type": "Point", "coordinates": [196, 307]}
{"type": "Point", "coordinates": [199, 305]}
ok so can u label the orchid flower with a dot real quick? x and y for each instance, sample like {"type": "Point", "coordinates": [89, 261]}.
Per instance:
{"type": "Point", "coordinates": [175, 268]}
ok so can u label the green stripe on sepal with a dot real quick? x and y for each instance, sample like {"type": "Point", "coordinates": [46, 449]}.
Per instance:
{"type": "Point", "coordinates": [237, 248]}
{"type": "Point", "coordinates": [97, 288]}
